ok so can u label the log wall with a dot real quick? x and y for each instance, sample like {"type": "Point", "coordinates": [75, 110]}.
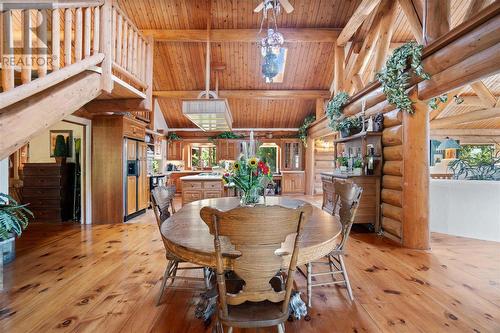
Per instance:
{"type": "Point", "coordinates": [392, 171]}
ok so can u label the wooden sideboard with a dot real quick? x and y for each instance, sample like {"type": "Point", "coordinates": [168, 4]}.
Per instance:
{"type": "Point", "coordinates": [369, 206]}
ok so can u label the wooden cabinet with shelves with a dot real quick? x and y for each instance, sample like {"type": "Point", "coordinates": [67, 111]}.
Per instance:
{"type": "Point", "coordinates": [292, 155]}
{"type": "Point", "coordinates": [227, 150]}
{"type": "Point", "coordinates": [293, 182]}
{"type": "Point", "coordinates": [174, 150]}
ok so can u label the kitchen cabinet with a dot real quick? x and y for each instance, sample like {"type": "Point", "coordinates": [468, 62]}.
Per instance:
{"type": "Point", "coordinates": [293, 182]}
{"type": "Point", "coordinates": [194, 189]}
{"type": "Point", "coordinates": [111, 158]}
{"type": "Point", "coordinates": [227, 150]}
{"type": "Point", "coordinates": [174, 150]}
{"type": "Point", "coordinates": [292, 155]}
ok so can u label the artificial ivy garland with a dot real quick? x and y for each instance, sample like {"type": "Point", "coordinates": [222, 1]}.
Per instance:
{"type": "Point", "coordinates": [334, 109]}
{"type": "Point", "coordinates": [394, 78]}
{"type": "Point", "coordinates": [303, 129]}
{"type": "Point", "coordinates": [225, 135]}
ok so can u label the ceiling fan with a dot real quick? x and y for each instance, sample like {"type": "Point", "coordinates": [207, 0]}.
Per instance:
{"type": "Point", "coordinates": [274, 4]}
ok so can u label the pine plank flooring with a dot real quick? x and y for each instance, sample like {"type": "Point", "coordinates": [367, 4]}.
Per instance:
{"type": "Point", "coordinates": [105, 278]}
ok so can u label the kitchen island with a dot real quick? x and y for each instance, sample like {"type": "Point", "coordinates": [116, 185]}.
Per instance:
{"type": "Point", "coordinates": [201, 186]}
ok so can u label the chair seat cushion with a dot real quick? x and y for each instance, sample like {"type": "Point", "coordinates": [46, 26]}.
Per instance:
{"type": "Point", "coordinates": [255, 314]}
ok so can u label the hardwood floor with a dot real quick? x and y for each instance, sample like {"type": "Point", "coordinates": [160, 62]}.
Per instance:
{"type": "Point", "coordinates": [106, 278]}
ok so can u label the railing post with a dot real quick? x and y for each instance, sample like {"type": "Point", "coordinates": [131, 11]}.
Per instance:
{"type": "Point", "coordinates": [7, 52]}
{"type": "Point", "coordinates": [106, 47]}
{"type": "Point", "coordinates": [149, 73]}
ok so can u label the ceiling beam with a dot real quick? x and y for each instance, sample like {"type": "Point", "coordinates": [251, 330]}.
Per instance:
{"type": "Point", "coordinates": [454, 132]}
{"type": "Point", "coordinates": [364, 9]}
{"type": "Point", "coordinates": [291, 35]}
{"type": "Point", "coordinates": [271, 129]}
{"type": "Point", "coordinates": [436, 19]}
{"type": "Point", "coordinates": [258, 94]}
{"type": "Point", "coordinates": [385, 36]}
{"type": "Point", "coordinates": [468, 117]}
{"type": "Point", "coordinates": [411, 15]}
{"type": "Point", "coordinates": [484, 94]}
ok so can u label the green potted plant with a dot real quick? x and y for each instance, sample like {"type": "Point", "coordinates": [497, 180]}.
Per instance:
{"type": "Point", "coordinates": [357, 166]}
{"type": "Point", "coordinates": [342, 163]}
{"type": "Point", "coordinates": [60, 149]}
{"type": "Point", "coordinates": [349, 126]}
{"type": "Point", "coordinates": [14, 219]}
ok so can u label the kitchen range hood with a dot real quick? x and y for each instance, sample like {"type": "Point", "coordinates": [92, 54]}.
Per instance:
{"type": "Point", "coordinates": [209, 114]}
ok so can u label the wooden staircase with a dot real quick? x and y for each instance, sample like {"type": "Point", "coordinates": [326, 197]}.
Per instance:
{"type": "Point", "coordinates": [60, 57]}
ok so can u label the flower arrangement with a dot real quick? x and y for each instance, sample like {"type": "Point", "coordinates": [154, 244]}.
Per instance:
{"type": "Point", "coordinates": [250, 176]}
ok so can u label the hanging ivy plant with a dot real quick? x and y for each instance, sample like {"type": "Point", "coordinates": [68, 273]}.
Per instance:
{"type": "Point", "coordinates": [303, 129]}
{"type": "Point", "coordinates": [225, 135]}
{"type": "Point", "coordinates": [334, 109]}
{"type": "Point", "coordinates": [434, 102]}
{"type": "Point", "coordinates": [395, 79]}
{"type": "Point", "coordinates": [173, 137]}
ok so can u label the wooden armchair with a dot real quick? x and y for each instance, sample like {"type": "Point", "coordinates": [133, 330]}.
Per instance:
{"type": "Point", "coordinates": [250, 238]}
{"type": "Point", "coordinates": [162, 200]}
{"type": "Point", "coordinates": [346, 201]}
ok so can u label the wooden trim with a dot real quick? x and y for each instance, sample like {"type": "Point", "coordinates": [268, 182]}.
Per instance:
{"type": "Point", "coordinates": [128, 75]}
{"type": "Point", "coordinates": [116, 105]}
{"type": "Point", "coordinates": [465, 132]}
{"type": "Point", "coordinates": [271, 94]}
{"type": "Point", "coordinates": [292, 35]}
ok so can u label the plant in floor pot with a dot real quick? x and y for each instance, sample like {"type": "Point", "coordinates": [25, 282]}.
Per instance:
{"type": "Point", "coordinates": [60, 149]}
{"type": "Point", "coordinates": [14, 218]}
{"type": "Point", "coordinates": [250, 176]}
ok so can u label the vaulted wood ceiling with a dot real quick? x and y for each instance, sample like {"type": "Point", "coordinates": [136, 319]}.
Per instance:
{"type": "Point", "coordinates": [180, 66]}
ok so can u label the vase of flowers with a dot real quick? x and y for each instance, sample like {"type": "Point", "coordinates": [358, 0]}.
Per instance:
{"type": "Point", "coordinates": [251, 176]}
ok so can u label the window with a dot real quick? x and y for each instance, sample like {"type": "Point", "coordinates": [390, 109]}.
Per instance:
{"type": "Point", "coordinates": [269, 153]}
{"type": "Point", "coordinates": [203, 156]}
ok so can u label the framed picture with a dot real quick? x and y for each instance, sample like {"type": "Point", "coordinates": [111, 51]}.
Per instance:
{"type": "Point", "coordinates": [68, 138]}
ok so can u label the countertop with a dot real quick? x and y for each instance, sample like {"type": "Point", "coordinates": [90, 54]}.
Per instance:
{"type": "Point", "coordinates": [198, 177]}
{"type": "Point", "coordinates": [338, 174]}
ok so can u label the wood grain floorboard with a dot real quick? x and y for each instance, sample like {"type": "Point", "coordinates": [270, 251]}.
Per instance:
{"type": "Point", "coordinates": [106, 278]}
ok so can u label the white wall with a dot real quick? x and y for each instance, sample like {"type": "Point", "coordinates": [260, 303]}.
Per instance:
{"type": "Point", "coordinates": [468, 208]}
{"type": "Point", "coordinates": [160, 122]}
{"type": "Point", "coordinates": [4, 176]}
{"type": "Point", "coordinates": [39, 146]}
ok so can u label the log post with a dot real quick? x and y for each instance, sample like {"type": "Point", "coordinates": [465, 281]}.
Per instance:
{"type": "Point", "coordinates": [436, 19]}
{"type": "Point", "coordinates": [338, 70]}
{"type": "Point", "coordinates": [149, 73]}
{"type": "Point", "coordinates": [416, 176]}
{"type": "Point", "coordinates": [309, 168]}
{"type": "Point", "coordinates": [106, 46]}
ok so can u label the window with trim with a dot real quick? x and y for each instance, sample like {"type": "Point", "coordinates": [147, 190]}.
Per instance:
{"type": "Point", "coordinates": [203, 156]}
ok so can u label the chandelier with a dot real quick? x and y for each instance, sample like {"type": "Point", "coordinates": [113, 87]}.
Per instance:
{"type": "Point", "coordinates": [271, 46]}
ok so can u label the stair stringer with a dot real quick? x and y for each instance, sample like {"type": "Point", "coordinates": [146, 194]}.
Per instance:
{"type": "Point", "coordinates": [25, 119]}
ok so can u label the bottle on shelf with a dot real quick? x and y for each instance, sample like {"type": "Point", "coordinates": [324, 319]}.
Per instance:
{"type": "Point", "coordinates": [370, 160]}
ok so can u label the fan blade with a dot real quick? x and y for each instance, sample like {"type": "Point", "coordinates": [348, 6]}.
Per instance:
{"type": "Point", "coordinates": [259, 7]}
{"type": "Point", "coordinates": [286, 5]}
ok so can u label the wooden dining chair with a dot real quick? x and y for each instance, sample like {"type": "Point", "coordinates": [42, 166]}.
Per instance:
{"type": "Point", "coordinates": [250, 239]}
{"type": "Point", "coordinates": [346, 200]}
{"type": "Point", "coordinates": [162, 201]}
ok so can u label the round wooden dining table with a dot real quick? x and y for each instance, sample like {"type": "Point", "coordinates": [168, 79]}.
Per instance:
{"type": "Point", "coordinates": [188, 238]}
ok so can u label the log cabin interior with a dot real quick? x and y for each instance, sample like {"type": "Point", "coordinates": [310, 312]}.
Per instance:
{"type": "Point", "coordinates": [303, 165]}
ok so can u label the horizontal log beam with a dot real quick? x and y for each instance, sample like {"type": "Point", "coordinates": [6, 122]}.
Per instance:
{"type": "Point", "coordinates": [292, 35]}
{"type": "Point", "coordinates": [117, 105]}
{"type": "Point", "coordinates": [264, 94]}
{"type": "Point", "coordinates": [467, 117]}
{"type": "Point", "coordinates": [455, 132]}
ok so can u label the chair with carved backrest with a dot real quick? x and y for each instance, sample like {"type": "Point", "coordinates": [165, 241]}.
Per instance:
{"type": "Point", "coordinates": [249, 239]}
{"type": "Point", "coordinates": [162, 203]}
{"type": "Point", "coordinates": [346, 200]}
